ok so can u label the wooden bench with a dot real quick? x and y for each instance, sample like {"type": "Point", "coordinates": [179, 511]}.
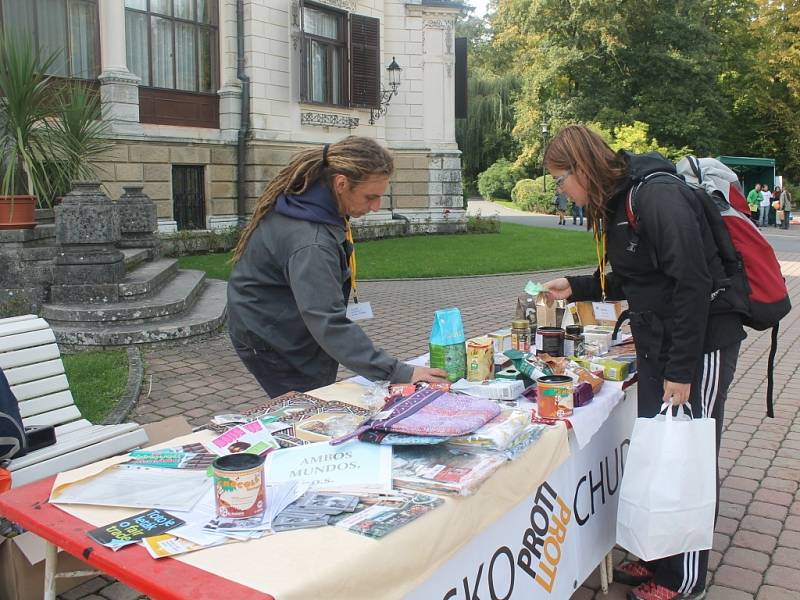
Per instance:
{"type": "Point", "coordinates": [32, 363]}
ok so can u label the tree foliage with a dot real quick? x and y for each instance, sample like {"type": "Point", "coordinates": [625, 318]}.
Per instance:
{"type": "Point", "coordinates": [711, 76]}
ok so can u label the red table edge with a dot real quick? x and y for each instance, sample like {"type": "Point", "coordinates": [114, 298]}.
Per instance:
{"type": "Point", "coordinates": [28, 507]}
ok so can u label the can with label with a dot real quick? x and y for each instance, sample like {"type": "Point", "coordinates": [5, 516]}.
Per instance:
{"type": "Point", "coordinates": [239, 486]}
{"type": "Point", "coordinates": [554, 396]}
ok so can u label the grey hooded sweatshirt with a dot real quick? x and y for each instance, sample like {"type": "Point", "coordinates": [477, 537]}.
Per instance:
{"type": "Point", "coordinates": [290, 289]}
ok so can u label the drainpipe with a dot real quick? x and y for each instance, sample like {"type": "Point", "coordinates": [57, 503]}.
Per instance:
{"type": "Point", "coordinates": [244, 115]}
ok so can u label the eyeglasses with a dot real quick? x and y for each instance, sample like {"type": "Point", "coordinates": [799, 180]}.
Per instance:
{"type": "Point", "coordinates": [561, 178]}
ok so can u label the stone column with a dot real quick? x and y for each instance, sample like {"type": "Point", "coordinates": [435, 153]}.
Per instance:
{"type": "Point", "coordinates": [138, 221]}
{"type": "Point", "coordinates": [119, 88]}
{"type": "Point", "coordinates": [88, 266]}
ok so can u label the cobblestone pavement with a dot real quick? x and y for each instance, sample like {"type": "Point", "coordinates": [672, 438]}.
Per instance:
{"type": "Point", "coordinates": [757, 545]}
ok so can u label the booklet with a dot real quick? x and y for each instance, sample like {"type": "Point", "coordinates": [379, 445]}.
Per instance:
{"type": "Point", "coordinates": [351, 466]}
{"type": "Point", "coordinates": [133, 529]}
{"type": "Point", "coordinates": [253, 437]}
{"type": "Point", "coordinates": [188, 456]}
{"type": "Point", "coordinates": [443, 470]}
{"type": "Point", "coordinates": [377, 516]}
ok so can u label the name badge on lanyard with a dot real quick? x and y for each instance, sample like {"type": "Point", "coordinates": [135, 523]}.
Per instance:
{"type": "Point", "coordinates": [359, 311]}
{"type": "Point", "coordinates": [356, 311]}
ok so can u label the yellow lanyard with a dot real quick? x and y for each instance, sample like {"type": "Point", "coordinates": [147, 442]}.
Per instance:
{"type": "Point", "coordinates": [349, 237]}
{"type": "Point", "coordinates": [600, 249]}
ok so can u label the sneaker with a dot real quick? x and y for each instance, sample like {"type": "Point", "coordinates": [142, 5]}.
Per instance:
{"type": "Point", "coordinates": [632, 573]}
{"type": "Point", "coordinates": [655, 591]}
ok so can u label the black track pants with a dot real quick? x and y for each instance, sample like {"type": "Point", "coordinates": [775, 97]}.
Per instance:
{"type": "Point", "coordinates": [686, 572]}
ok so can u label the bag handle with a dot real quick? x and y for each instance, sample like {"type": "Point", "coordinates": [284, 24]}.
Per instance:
{"type": "Point", "coordinates": [668, 406]}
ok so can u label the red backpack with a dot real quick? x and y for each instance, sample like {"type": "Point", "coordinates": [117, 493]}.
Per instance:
{"type": "Point", "coordinates": [747, 257]}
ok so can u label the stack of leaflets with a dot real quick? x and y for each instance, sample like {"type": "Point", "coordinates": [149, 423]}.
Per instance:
{"type": "Point", "coordinates": [188, 456]}
{"type": "Point", "coordinates": [307, 419]}
{"type": "Point", "coordinates": [443, 470]}
{"type": "Point", "coordinates": [134, 529]}
{"type": "Point", "coordinates": [254, 437]}
{"type": "Point", "coordinates": [378, 515]}
{"type": "Point", "coordinates": [313, 509]}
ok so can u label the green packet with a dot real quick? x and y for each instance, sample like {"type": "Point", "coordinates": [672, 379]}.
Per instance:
{"type": "Point", "coordinates": [534, 288]}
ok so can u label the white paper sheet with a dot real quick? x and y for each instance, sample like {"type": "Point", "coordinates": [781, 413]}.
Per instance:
{"type": "Point", "coordinates": [138, 487]}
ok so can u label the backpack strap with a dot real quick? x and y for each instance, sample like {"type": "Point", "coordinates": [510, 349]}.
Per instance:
{"type": "Point", "coordinates": [771, 369]}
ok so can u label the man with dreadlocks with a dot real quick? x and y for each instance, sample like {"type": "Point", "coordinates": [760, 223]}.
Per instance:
{"type": "Point", "coordinates": [295, 270]}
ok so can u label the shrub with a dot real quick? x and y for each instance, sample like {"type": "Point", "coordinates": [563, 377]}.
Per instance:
{"type": "Point", "coordinates": [528, 195]}
{"type": "Point", "coordinates": [479, 224]}
{"type": "Point", "coordinates": [498, 180]}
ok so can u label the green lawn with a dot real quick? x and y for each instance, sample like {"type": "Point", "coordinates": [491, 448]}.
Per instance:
{"type": "Point", "coordinates": [97, 381]}
{"type": "Point", "coordinates": [516, 248]}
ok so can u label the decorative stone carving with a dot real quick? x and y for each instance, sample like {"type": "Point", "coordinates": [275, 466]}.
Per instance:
{"type": "Point", "coordinates": [348, 5]}
{"type": "Point", "coordinates": [88, 266]}
{"type": "Point", "coordinates": [138, 221]}
{"type": "Point", "coordinates": [438, 23]}
{"type": "Point", "coordinates": [321, 119]}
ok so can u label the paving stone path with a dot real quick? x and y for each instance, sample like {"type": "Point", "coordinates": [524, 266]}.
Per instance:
{"type": "Point", "coordinates": [757, 545]}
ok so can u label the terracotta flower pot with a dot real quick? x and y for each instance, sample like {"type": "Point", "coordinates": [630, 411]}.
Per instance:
{"type": "Point", "coordinates": [17, 212]}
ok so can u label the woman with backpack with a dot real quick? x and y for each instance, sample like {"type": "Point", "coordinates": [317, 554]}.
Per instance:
{"type": "Point", "coordinates": [666, 268]}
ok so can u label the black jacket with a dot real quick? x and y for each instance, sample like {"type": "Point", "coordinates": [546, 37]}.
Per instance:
{"type": "Point", "coordinates": [666, 270]}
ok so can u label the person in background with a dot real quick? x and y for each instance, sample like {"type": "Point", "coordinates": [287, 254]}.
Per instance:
{"type": "Point", "coordinates": [786, 206]}
{"type": "Point", "coordinates": [685, 331]}
{"type": "Point", "coordinates": [560, 203]}
{"type": "Point", "coordinates": [294, 273]}
{"type": "Point", "coordinates": [754, 202]}
{"type": "Point", "coordinates": [763, 206]}
{"type": "Point", "coordinates": [577, 213]}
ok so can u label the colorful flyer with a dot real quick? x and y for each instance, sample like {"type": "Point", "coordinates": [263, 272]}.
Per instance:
{"type": "Point", "coordinates": [121, 533]}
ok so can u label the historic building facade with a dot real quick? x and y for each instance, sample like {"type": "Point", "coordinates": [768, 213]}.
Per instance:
{"type": "Point", "coordinates": [175, 75]}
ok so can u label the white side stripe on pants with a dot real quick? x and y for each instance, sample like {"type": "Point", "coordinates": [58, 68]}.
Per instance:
{"type": "Point", "coordinates": [708, 397]}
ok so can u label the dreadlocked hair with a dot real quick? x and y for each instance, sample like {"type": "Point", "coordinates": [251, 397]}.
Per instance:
{"type": "Point", "coordinates": [582, 151]}
{"type": "Point", "coordinates": [357, 158]}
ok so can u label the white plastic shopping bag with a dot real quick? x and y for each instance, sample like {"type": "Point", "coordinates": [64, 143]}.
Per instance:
{"type": "Point", "coordinates": [668, 492]}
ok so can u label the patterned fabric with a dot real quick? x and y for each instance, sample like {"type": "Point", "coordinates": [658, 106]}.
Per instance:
{"type": "Point", "coordinates": [654, 591]}
{"type": "Point", "coordinates": [431, 412]}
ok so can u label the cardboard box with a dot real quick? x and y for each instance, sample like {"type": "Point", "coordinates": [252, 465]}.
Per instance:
{"type": "Point", "coordinates": [584, 314]}
{"type": "Point", "coordinates": [22, 569]}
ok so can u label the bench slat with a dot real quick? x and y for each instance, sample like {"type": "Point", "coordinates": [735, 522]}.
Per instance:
{"type": "Point", "coordinates": [48, 368]}
{"type": "Point", "coordinates": [28, 356]}
{"type": "Point", "coordinates": [8, 320]}
{"type": "Point", "coordinates": [72, 426]}
{"type": "Point", "coordinates": [44, 404]}
{"type": "Point", "coordinates": [23, 326]}
{"type": "Point", "coordinates": [55, 417]}
{"type": "Point", "coordinates": [64, 462]}
{"type": "Point", "coordinates": [40, 337]}
{"type": "Point", "coordinates": [41, 387]}
{"type": "Point", "coordinates": [75, 440]}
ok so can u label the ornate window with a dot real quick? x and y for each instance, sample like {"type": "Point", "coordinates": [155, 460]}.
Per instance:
{"type": "Point", "coordinates": [67, 29]}
{"type": "Point", "coordinates": [172, 44]}
{"type": "Point", "coordinates": [340, 57]}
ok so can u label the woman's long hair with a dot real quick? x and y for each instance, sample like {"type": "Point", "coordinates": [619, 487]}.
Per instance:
{"type": "Point", "coordinates": [357, 158]}
{"type": "Point", "coordinates": [599, 169]}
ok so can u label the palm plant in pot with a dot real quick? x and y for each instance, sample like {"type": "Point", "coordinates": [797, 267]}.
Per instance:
{"type": "Point", "coordinates": [48, 134]}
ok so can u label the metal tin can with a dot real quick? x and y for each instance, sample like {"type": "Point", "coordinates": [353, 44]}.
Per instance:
{"type": "Point", "coordinates": [520, 335]}
{"type": "Point", "coordinates": [239, 486]}
{"type": "Point", "coordinates": [554, 396]}
{"type": "Point", "coordinates": [550, 340]}
{"type": "Point", "coordinates": [573, 341]}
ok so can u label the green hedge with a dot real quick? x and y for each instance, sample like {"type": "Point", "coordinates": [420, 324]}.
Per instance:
{"type": "Point", "coordinates": [528, 195]}
{"type": "Point", "coordinates": [498, 180]}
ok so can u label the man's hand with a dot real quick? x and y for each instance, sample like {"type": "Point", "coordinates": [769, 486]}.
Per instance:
{"type": "Point", "coordinates": [677, 393]}
{"type": "Point", "coordinates": [429, 375]}
{"type": "Point", "coordinates": [558, 289]}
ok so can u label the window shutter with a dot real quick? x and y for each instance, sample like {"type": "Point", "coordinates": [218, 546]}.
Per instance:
{"type": "Point", "coordinates": [461, 78]}
{"type": "Point", "coordinates": [365, 76]}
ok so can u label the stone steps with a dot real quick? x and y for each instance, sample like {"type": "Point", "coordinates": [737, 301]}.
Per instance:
{"type": "Point", "coordinates": [177, 295]}
{"type": "Point", "coordinates": [134, 257]}
{"type": "Point", "coordinates": [147, 279]}
{"type": "Point", "coordinates": [206, 315]}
